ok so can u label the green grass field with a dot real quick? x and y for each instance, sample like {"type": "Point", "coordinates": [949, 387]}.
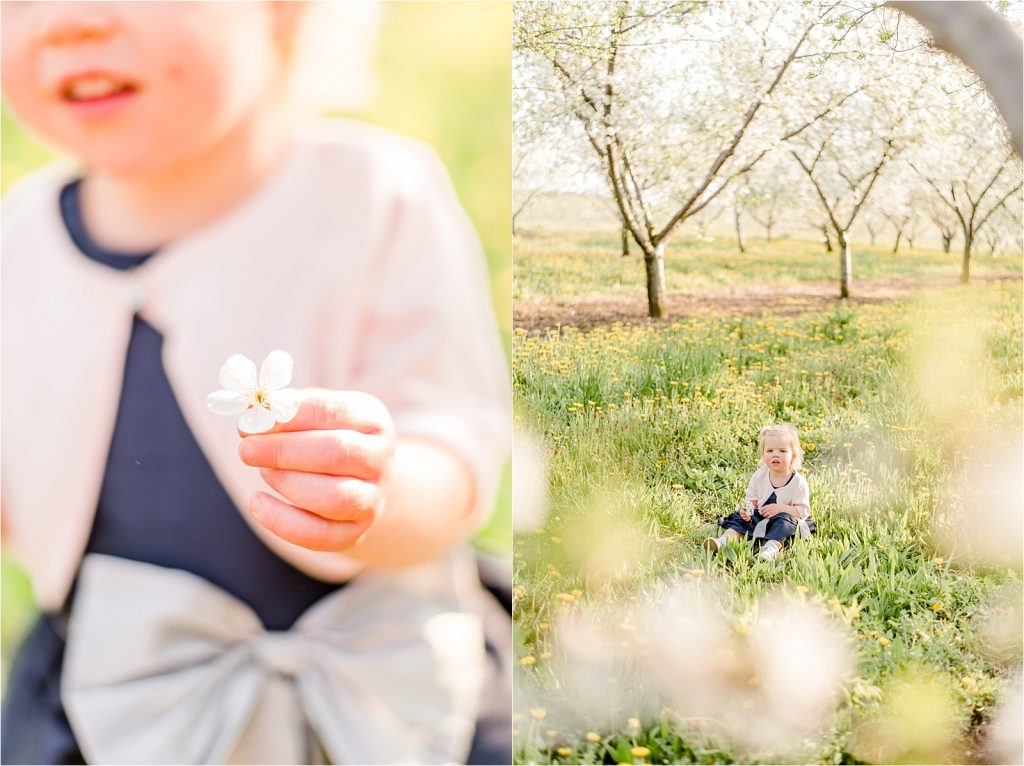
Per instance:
{"type": "Point", "coordinates": [651, 434]}
{"type": "Point", "coordinates": [548, 263]}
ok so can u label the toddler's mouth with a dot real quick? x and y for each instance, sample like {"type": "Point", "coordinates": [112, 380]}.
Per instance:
{"type": "Point", "coordinates": [95, 87]}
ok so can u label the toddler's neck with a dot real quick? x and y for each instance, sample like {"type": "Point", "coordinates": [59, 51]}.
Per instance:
{"type": "Point", "coordinates": [780, 478]}
{"type": "Point", "coordinates": [139, 214]}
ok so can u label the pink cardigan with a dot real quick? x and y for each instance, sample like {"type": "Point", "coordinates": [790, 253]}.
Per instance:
{"type": "Point", "coordinates": [354, 256]}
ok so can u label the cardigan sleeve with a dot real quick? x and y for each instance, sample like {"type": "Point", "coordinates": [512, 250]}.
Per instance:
{"type": "Point", "coordinates": [801, 496]}
{"type": "Point", "coordinates": [428, 345]}
{"type": "Point", "coordinates": [752, 488]}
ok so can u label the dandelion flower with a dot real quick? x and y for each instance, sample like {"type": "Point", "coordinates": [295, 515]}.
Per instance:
{"type": "Point", "coordinates": [593, 736]}
{"type": "Point", "coordinates": [640, 752]}
{"type": "Point", "coordinates": [565, 752]}
{"type": "Point", "coordinates": [527, 661]}
{"type": "Point", "coordinates": [262, 399]}
{"type": "Point", "coordinates": [538, 713]}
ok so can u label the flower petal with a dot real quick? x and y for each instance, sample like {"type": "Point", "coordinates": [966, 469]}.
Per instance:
{"type": "Point", "coordinates": [228, 402]}
{"type": "Point", "coordinates": [238, 374]}
{"type": "Point", "coordinates": [256, 421]}
{"type": "Point", "coordinates": [276, 371]}
{"type": "Point", "coordinates": [283, 404]}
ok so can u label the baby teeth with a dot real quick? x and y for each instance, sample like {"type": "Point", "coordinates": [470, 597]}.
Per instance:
{"type": "Point", "coordinates": [95, 87]}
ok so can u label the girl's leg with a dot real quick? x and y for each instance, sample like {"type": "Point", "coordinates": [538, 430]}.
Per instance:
{"type": "Point", "coordinates": [716, 543]}
{"type": "Point", "coordinates": [780, 529]}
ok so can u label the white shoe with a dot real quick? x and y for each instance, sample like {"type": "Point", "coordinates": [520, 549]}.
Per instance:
{"type": "Point", "coordinates": [769, 551]}
{"type": "Point", "coordinates": [713, 544]}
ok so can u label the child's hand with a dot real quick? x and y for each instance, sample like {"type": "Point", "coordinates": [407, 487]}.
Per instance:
{"type": "Point", "coordinates": [744, 514]}
{"type": "Point", "coordinates": [330, 462]}
{"type": "Point", "coordinates": [774, 509]}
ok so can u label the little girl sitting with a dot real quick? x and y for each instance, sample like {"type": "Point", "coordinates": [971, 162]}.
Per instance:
{"type": "Point", "coordinates": [778, 504]}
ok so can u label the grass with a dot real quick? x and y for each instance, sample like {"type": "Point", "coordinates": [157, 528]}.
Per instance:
{"type": "Point", "coordinates": [548, 263]}
{"type": "Point", "coordinates": [651, 435]}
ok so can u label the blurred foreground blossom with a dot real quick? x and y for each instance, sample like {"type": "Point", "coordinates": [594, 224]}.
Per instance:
{"type": "Point", "coordinates": [768, 684]}
{"type": "Point", "coordinates": [983, 523]}
{"type": "Point", "coordinates": [529, 482]}
{"type": "Point", "coordinates": [601, 684]}
{"type": "Point", "coordinates": [918, 722]}
{"type": "Point", "coordinates": [1002, 624]}
{"type": "Point", "coordinates": [1005, 742]}
{"type": "Point", "coordinates": [261, 398]}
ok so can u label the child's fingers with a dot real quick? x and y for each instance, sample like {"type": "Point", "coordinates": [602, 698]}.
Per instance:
{"type": "Point", "coordinates": [334, 498]}
{"type": "Point", "coordinates": [325, 409]}
{"type": "Point", "coordinates": [302, 527]}
{"type": "Point", "coordinates": [341, 453]}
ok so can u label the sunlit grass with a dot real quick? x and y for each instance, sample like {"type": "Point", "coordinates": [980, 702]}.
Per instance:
{"type": "Point", "coordinates": [548, 263]}
{"type": "Point", "coordinates": [652, 430]}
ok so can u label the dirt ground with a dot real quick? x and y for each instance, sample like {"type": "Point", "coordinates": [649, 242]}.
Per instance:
{"type": "Point", "coordinates": [588, 311]}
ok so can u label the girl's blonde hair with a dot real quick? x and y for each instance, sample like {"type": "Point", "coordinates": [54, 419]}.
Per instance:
{"type": "Point", "coordinates": [786, 431]}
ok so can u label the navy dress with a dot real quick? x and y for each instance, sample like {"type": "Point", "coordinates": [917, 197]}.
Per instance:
{"type": "Point", "coordinates": [781, 527]}
{"type": "Point", "coordinates": [161, 503]}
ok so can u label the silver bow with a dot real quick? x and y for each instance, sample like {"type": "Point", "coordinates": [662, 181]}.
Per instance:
{"type": "Point", "coordinates": [161, 666]}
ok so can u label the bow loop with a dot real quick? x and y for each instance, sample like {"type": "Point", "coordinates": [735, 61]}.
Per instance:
{"type": "Point", "coordinates": [161, 666]}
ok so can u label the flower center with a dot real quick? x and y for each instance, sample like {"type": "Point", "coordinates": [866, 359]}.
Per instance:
{"type": "Point", "coordinates": [262, 399]}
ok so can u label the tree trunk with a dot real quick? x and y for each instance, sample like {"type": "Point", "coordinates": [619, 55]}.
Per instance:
{"type": "Point", "coordinates": [625, 241]}
{"type": "Point", "coordinates": [872, 234]}
{"type": "Point", "coordinates": [965, 269]}
{"type": "Point", "coordinates": [654, 263]}
{"type": "Point", "coordinates": [828, 239]}
{"type": "Point", "coordinates": [845, 264]}
{"type": "Point", "coordinates": [947, 239]}
{"type": "Point", "coordinates": [899, 235]}
{"type": "Point", "coordinates": [739, 231]}
{"type": "Point", "coordinates": [768, 230]}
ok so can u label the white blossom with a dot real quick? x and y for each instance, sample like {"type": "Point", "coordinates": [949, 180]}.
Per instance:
{"type": "Point", "coordinates": [261, 399]}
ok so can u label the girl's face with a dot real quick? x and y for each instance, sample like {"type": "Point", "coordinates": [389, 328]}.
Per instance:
{"type": "Point", "coordinates": [136, 88]}
{"type": "Point", "coordinates": [778, 452]}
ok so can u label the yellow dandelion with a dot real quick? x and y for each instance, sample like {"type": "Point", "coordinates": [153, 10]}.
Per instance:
{"type": "Point", "coordinates": [543, 626]}
{"type": "Point", "coordinates": [556, 540]}
{"type": "Point", "coordinates": [801, 589]}
{"type": "Point", "coordinates": [883, 641]}
{"type": "Point", "coordinates": [937, 606]}
{"type": "Point", "coordinates": [527, 660]}
{"type": "Point", "coordinates": [938, 560]}
{"type": "Point", "coordinates": [538, 713]}
{"type": "Point", "coordinates": [565, 752]}
{"type": "Point", "coordinates": [545, 655]}
{"type": "Point", "coordinates": [593, 736]}
{"type": "Point", "coordinates": [551, 733]}
{"type": "Point", "coordinates": [640, 752]}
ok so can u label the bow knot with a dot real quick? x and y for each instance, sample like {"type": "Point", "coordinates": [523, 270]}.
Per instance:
{"type": "Point", "coordinates": [278, 651]}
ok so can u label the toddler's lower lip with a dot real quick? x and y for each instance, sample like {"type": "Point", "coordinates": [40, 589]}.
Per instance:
{"type": "Point", "coordinates": [101, 107]}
